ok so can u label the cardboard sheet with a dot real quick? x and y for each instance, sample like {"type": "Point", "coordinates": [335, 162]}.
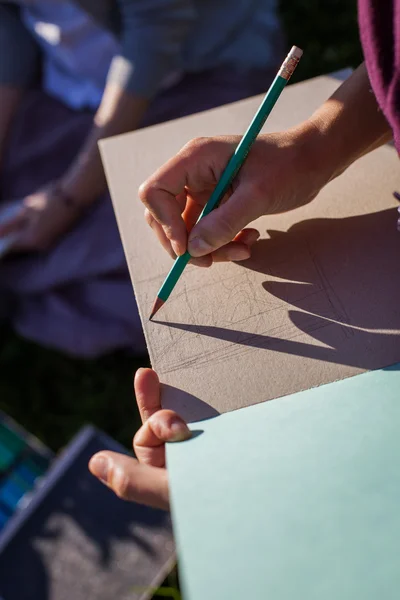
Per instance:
{"type": "Point", "coordinates": [293, 498]}
{"type": "Point", "coordinates": [318, 301]}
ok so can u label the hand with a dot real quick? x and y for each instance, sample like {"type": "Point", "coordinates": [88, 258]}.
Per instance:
{"type": "Point", "coordinates": [279, 174]}
{"type": "Point", "coordinates": [144, 480]}
{"type": "Point", "coordinates": [43, 217]}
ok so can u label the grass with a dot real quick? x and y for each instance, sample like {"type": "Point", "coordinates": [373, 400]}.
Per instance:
{"type": "Point", "coordinates": [52, 395]}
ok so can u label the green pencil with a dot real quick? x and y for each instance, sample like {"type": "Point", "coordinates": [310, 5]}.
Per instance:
{"type": "Point", "coordinates": [233, 166]}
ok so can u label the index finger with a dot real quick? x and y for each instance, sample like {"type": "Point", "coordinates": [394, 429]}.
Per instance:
{"type": "Point", "coordinates": [159, 195]}
{"type": "Point", "coordinates": [162, 193]}
{"type": "Point", "coordinates": [147, 391]}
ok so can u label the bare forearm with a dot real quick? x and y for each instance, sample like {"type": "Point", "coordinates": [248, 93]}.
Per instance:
{"type": "Point", "coordinates": [10, 98]}
{"type": "Point", "coordinates": [349, 125]}
{"type": "Point", "coordinates": [119, 112]}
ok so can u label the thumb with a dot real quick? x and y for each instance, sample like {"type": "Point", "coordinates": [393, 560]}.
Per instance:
{"type": "Point", "coordinates": [224, 223]}
{"type": "Point", "coordinates": [130, 480]}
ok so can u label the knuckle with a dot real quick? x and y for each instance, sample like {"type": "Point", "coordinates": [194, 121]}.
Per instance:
{"type": "Point", "coordinates": [119, 483]}
{"type": "Point", "coordinates": [160, 423]}
{"type": "Point", "coordinates": [198, 142]}
{"type": "Point", "coordinates": [195, 146]}
{"type": "Point", "coordinates": [148, 217]}
{"type": "Point", "coordinates": [169, 231]}
{"type": "Point", "coordinates": [146, 191]}
{"type": "Point", "coordinates": [152, 196]}
{"type": "Point", "coordinates": [137, 438]}
{"type": "Point", "coordinates": [216, 144]}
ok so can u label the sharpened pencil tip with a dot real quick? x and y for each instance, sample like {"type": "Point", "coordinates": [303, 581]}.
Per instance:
{"type": "Point", "coordinates": [156, 307]}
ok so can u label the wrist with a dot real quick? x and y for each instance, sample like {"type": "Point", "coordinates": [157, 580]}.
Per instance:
{"type": "Point", "coordinates": [312, 167]}
{"type": "Point", "coordinates": [80, 194]}
{"type": "Point", "coordinates": [320, 155]}
{"type": "Point", "coordinates": [69, 201]}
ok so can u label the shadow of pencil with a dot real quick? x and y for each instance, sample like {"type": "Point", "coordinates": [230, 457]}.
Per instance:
{"type": "Point", "coordinates": [336, 283]}
{"type": "Point", "coordinates": [291, 346]}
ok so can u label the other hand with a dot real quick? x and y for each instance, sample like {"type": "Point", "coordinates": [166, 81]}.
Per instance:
{"type": "Point", "coordinates": [143, 480]}
{"type": "Point", "coordinates": [43, 217]}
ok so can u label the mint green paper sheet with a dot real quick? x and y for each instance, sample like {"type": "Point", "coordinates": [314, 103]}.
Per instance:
{"type": "Point", "coordinates": [294, 499]}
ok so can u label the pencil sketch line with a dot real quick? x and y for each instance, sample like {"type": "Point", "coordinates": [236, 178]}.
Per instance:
{"type": "Point", "coordinates": [238, 347]}
{"type": "Point", "coordinates": [329, 290]}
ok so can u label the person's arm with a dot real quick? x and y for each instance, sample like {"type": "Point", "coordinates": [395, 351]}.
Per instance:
{"type": "Point", "coordinates": [152, 35]}
{"type": "Point", "coordinates": [349, 125]}
{"type": "Point", "coordinates": [119, 112]}
{"type": "Point", "coordinates": [283, 171]}
{"type": "Point", "coordinates": [153, 32]}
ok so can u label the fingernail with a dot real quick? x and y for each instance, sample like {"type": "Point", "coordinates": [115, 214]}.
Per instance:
{"type": "Point", "coordinates": [179, 430]}
{"type": "Point", "coordinates": [199, 247]}
{"type": "Point", "coordinates": [239, 253]}
{"type": "Point", "coordinates": [100, 466]}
